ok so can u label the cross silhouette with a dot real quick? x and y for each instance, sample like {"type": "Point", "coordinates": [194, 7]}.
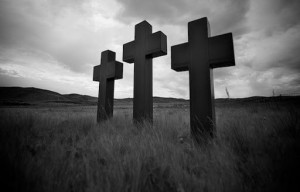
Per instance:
{"type": "Point", "coordinates": [146, 46]}
{"type": "Point", "coordinates": [106, 73]}
{"type": "Point", "coordinates": [199, 56]}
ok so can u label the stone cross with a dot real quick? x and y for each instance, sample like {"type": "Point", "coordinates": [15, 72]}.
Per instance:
{"type": "Point", "coordinates": [199, 56]}
{"type": "Point", "coordinates": [106, 73]}
{"type": "Point", "coordinates": [146, 46]}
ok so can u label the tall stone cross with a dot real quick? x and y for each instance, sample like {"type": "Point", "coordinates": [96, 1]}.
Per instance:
{"type": "Point", "coordinates": [199, 56]}
{"type": "Point", "coordinates": [106, 73]}
{"type": "Point", "coordinates": [146, 46]}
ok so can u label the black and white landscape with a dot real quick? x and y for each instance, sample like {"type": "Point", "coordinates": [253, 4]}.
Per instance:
{"type": "Point", "coordinates": [174, 120]}
{"type": "Point", "coordinates": [51, 142]}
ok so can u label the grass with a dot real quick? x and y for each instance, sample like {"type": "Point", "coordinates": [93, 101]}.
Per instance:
{"type": "Point", "coordinates": [257, 148]}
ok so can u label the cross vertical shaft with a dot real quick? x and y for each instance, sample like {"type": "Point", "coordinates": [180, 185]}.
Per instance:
{"type": "Point", "coordinates": [105, 99]}
{"type": "Point", "coordinates": [106, 73]}
{"type": "Point", "coordinates": [141, 51]}
{"type": "Point", "coordinates": [199, 56]}
{"type": "Point", "coordinates": [143, 102]}
{"type": "Point", "coordinates": [201, 85]}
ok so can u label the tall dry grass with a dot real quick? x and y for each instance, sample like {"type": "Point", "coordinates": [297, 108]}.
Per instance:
{"type": "Point", "coordinates": [64, 149]}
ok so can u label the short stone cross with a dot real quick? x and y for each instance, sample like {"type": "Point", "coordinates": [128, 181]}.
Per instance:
{"type": "Point", "coordinates": [146, 46]}
{"type": "Point", "coordinates": [199, 56]}
{"type": "Point", "coordinates": [106, 73]}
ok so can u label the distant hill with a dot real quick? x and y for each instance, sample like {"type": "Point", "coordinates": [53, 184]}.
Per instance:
{"type": "Point", "coordinates": [81, 98]}
{"type": "Point", "coordinates": [35, 96]}
{"type": "Point", "coordinates": [31, 95]}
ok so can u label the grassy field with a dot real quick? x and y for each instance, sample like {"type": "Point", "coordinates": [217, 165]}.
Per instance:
{"type": "Point", "coordinates": [257, 148]}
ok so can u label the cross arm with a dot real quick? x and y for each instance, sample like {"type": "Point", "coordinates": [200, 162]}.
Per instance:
{"type": "Point", "coordinates": [96, 74]}
{"type": "Point", "coordinates": [128, 52]}
{"type": "Point", "coordinates": [119, 70]}
{"type": "Point", "coordinates": [157, 45]}
{"type": "Point", "coordinates": [221, 51]}
{"type": "Point", "coordinates": [114, 70]}
{"type": "Point", "coordinates": [180, 57]}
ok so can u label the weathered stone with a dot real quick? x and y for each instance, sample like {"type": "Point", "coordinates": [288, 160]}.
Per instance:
{"type": "Point", "coordinates": [141, 51]}
{"type": "Point", "coordinates": [199, 56]}
{"type": "Point", "coordinates": [106, 73]}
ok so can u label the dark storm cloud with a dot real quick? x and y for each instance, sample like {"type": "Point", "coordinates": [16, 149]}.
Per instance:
{"type": "Point", "coordinates": [26, 19]}
{"type": "Point", "coordinates": [266, 38]}
{"type": "Point", "coordinates": [55, 39]}
{"type": "Point", "coordinates": [8, 72]}
{"type": "Point", "coordinates": [275, 15]}
{"type": "Point", "coordinates": [277, 25]}
{"type": "Point", "coordinates": [57, 28]}
{"type": "Point", "coordinates": [226, 15]}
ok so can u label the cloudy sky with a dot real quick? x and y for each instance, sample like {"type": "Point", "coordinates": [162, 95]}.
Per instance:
{"type": "Point", "coordinates": [54, 44]}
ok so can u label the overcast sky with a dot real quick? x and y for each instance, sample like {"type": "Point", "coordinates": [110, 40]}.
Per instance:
{"type": "Point", "coordinates": [54, 44]}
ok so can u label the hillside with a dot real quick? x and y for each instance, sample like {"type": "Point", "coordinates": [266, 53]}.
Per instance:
{"type": "Point", "coordinates": [31, 95]}
{"type": "Point", "coordinates": [34, 96]}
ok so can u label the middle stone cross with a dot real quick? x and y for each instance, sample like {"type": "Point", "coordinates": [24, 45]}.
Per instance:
{"type": "Point", "coordinates": [141, 51]}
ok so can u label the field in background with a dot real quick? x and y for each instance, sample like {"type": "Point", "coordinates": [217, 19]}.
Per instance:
{"type": "Point", "coordinates": [257, 148]}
